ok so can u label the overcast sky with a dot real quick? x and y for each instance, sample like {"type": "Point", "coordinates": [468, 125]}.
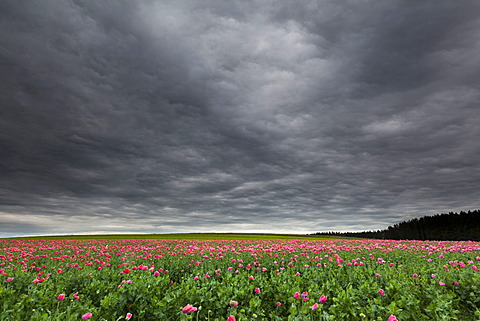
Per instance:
{"type": "Point", "coordinates": [236, 116]}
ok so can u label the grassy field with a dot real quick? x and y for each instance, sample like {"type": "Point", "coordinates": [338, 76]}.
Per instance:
{"type": "Point", "coordinates": [253, 279]}
{"type": "Point", "coordinates": [183, 236]}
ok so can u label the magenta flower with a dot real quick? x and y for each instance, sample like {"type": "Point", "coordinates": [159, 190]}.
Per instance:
{"type": "Point", "coordinates": [10, 279]}
{"type": "Point", "coordinates": [189, 308]}
{"type": "Point", "coordinates": [257, 290]}
{"type": "Point", "coordinates": [233, 303]}
{"type": "Point", "coordinates": [128, 316]}
{"type": "Point", "coordinates": [278, 304]}
{"type": "Point", "coordinates": [392, 318]}
{"type": "Point", "coordinates": [315, 306]}
{"type": "Point", "coordinates": [381, 291]}
{"type": "Point", "coordinates": [297, 295]}
{"type": "Point", "coordinates": [231, 318]}
{"type": "Point", "coordinates": [323, 299]}
{"type": "Point", "coordinates": [86, 316]}
{"type": "Point", "coordinates": [441, 283]}
{"type": "Point", "coordinates": [60, 297]}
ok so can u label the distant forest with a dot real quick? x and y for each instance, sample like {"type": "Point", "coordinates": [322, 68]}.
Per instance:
{"type": "Point", "coordinates": [463, 226]}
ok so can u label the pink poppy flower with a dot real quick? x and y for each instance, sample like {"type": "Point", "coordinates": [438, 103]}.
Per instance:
{"type": "Point", "coordinates": [128, 316]}
{"type": "Point", "coordinates": [86, 316]}
{"type": "Point", "coordinates": [323, 299]}
{"type": "Point", "coordinates": [233, 303]}
{"type": "Point", "coordinates": [60, 297]}
{"type": "Point", "coordinates": [231, 318]}
{"type": "Point", "coordinates": [392, 318]}
{"type": "Point", "coordinates": [189, 308]}
{"type": "Point", "coordinates": [278, 304]}
{"type": "Point", "coordinates": [297, 295]}
{"type": "Point", "coordinates": [315, 306]}
{"type": "Point", "coordinates": [257, 290]}
{"type": "Point", "coordinates": [381, 291]}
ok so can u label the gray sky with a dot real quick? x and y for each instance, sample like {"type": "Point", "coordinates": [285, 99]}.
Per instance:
{"type": "Point", "coordinates": [254, 116]}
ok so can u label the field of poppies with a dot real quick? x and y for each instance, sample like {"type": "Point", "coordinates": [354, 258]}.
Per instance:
{"type": "Point", "coordinates": [239, 280]}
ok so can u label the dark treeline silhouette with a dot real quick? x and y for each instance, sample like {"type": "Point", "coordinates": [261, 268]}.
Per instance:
{"type": "Point", "coordinates": [463, 226]}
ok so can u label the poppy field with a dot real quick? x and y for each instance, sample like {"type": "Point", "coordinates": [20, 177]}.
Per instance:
{"type": "Point", "coordinates": [239, 280]}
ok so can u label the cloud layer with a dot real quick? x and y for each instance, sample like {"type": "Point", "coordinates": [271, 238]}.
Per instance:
{"type": "Point", "coordinates": [261, 116]}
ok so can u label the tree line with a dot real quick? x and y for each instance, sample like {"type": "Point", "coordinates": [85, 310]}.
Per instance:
{"type": "Point", "coordinates": [463, 226]}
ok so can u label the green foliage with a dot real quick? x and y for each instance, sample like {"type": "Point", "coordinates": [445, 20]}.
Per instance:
{"type": "Point", "coordinates": [154, 280]}
{"type": "Point", "coordinates": [461, 226]}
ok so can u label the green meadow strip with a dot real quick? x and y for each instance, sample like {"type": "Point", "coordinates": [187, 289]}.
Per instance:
{"type": "Point", "coordinates": [185, 236]}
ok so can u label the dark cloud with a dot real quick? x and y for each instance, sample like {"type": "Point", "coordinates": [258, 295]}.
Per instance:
{"type": "Point", "coordinates": [165, 116]}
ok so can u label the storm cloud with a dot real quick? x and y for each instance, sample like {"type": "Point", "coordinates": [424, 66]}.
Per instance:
{"type": "Point", "coordinates": [221, 116]}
